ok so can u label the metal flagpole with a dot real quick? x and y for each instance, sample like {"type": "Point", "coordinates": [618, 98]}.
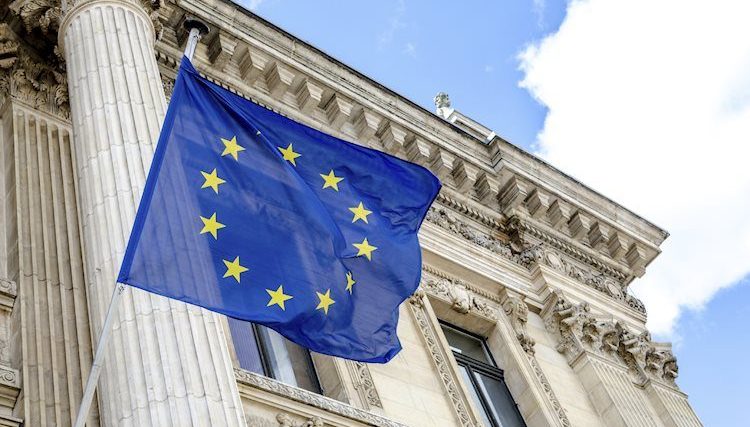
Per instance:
{"type": "Point", "coordinates": [196, 30]}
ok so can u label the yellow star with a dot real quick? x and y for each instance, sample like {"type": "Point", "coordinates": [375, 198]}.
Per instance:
{"type": "Point", "coordinates": [212, 180]}
{"type": "Point", "coordinates": [349, 281]}
{"type": "Point", "coordinates": [325, 301]}
{"type": "Point", "coordinates": [365, 248]}
{"type": "Point", "coordinates": [231, 147]}
{"type": "Point", "coordinates": [211, 225]}
{"type": "Point", "coordinates": [234, 269]}
{"type": "Point", "coordinates": [289, 154]}
{"type": "Point", "coordinates": [278, 297]}
{"type": "Point", "coordinates": [331, 180]}
{"type": "Point", "coordinates": [360, 213]}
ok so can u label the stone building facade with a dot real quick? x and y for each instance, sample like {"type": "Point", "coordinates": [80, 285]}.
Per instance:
{"type": "Point", "coordinates": [518, 257]}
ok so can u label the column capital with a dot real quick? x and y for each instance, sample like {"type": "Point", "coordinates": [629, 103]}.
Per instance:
{"type": "Point", "coordinates": [71, 8]}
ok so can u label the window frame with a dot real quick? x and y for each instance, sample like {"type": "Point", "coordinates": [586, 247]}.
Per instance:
{"type": "Point", "coordinates": [265, 362]}
{"type": "Point", "coordinates": [472, 365]}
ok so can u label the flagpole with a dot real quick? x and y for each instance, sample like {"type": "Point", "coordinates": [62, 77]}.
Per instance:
{"type": "Point", "coordinates": [196, 29]}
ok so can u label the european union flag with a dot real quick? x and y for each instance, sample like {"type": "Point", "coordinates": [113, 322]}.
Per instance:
{"type": "Point", "coordinates": [253, 215]}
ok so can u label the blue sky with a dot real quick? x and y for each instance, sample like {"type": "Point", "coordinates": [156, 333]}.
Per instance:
{"type": "Point", "coordinates": [601, 92]}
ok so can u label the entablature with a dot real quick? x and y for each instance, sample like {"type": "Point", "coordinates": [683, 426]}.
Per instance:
{"type": "Point", "coordinates": [496, 183]}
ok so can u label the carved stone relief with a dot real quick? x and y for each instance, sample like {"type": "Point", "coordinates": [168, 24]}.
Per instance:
{"type": "Point", "coordinates": [535, 254]}
{"type": "Point", "coordinates": [364, 384]}
{"type": "Point", "coordinates": [578, 331]}
{"type": "Point", "coordinates": [440, 358]}
{"type": "Point", "coordinates": [285, 420]}
{"type": "Point", "coordinates": [458, 294]}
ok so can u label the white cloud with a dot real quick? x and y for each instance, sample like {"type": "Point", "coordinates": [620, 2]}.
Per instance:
{"type": "Point", "coordinates": [250, 4]}
{"type": "Point", "coordinates": [410, 49]}
{"type": "Point", "coordinates": [649, 103]}
{"type": "Point", "coordinates": [489, 68]}
{"type": "Point", "coordinates": [538, 7]}
{"type": "Point", "coordinates": [395, 23]}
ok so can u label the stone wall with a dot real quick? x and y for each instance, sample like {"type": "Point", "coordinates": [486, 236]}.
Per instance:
{"type": "Point", "coordinates": [514, 250]}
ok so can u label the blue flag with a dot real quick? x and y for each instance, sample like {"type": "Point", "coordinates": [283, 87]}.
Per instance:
{"type": "Point", "coordinates": [253, 215]}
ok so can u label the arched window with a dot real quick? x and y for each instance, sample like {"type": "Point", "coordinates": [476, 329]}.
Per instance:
{"type": "Point", "coordinates": [483, 379]}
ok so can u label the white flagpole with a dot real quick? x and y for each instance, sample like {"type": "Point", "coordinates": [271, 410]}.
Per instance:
{"type": "Point", "coordinates": [196, 30]}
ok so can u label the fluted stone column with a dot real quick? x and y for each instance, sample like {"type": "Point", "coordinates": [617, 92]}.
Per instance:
{"type": "Point", "coordinates": [168, 363]}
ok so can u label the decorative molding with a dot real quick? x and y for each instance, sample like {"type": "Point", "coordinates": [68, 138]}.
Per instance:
{"type": "Point", "coordinates": [459, 294]}
{"type": "Point", "coordinates": [534, 254]}
{"type": "Point", "coordinates": [580, 332]}
{"type": "Point", "coordinates": [313, 399]}
{"type": "Point", "coordinates": [441, 218]}
{"type": "Point", "coordinates": [364, 383]}
{"type": "Point", "coordinates": [285, 420]}
{"type": "Point", "coordinates": [10, 386]}
{"type": "Point", "coordinates": [570, 250]}
{"type": "Point", "coordinates": [473, 213]}
{"type": "Point", "coordinates": [8, 294]}
{"type": "Point", "coordinates": [518, 314]}
{"type": "Point", "coordinates": [465, 298]}
{"type": "Point", "coordinates": [547, 387]}
{"type": "Point", "coordinates": [440, 358]}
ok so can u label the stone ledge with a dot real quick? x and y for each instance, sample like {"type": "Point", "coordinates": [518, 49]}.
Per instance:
{"type": "Point", "coordinates": [312, 399]}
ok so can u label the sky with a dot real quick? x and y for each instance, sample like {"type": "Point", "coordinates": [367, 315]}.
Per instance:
{"type": "Point", "coordinates": [646, 101]}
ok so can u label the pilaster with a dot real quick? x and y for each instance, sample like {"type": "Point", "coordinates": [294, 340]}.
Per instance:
{"type": "Point", "coordinates": [168, 363]}
{"type": "Point", "coordinates": [629, 378]}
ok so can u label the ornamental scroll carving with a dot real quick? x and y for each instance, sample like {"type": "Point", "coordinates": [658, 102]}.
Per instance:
{"type": "Point", "coordinates": [458, 294]}
{"type": "Point", "coordinates": [579, 331]}
{"type": "Point", "coordinates": [364, 384]}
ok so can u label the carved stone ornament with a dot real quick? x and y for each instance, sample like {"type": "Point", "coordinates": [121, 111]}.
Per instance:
{"type": "Point", "coordinates": [285, 420]}
{"type": "Point", "coordinates": [534, 254]}
{"type": "Point", "coordinates": [313, 399]}
{"type": "Point", "coordinates": [593, 279]}
{"type": "Point", "coordinates": [440, 359]}
{"type": "Point", "coordinates": [518, 313]}
{"type": "Point", "coordinates": [26, 77]}
{"type": "Point", "coordinates": [579, 331]}
{"type": "Point", "coordinates": [458, 294]}
{"type": "Point", "coordinates": [442, 219]}
{"type": "Point", "coordinates": [365, 385]}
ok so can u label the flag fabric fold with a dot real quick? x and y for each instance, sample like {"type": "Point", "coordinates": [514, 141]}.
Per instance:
{"type": "Point", "coordinates": [256, 216]}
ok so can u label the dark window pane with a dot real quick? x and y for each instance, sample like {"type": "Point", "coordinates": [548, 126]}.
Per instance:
{"type": "Point", "coordinates": [289, 362]}
{"type": "Point", "coordinates": [499, 401]}
{"type": "Point", "coordinates": [474, 395]}
{"type": "Point", "coordinates": [246, 346]}
{"type": "Point", "coordinates": [466, 344]}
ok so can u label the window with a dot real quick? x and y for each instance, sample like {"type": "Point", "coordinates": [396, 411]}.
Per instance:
{"type": "Point", "coordinates": [483, 379]}
{"type": "Point", "coordinates": [264, 351]}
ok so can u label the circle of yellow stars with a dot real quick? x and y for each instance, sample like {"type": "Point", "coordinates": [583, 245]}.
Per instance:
{"type": "Point", "coordinates": [234, 268]}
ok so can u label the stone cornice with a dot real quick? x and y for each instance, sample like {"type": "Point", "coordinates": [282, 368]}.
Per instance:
{"type": "Point", "coordinates": [312, 399]}
{"type": "Point", "coordinates": [533, 255]}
